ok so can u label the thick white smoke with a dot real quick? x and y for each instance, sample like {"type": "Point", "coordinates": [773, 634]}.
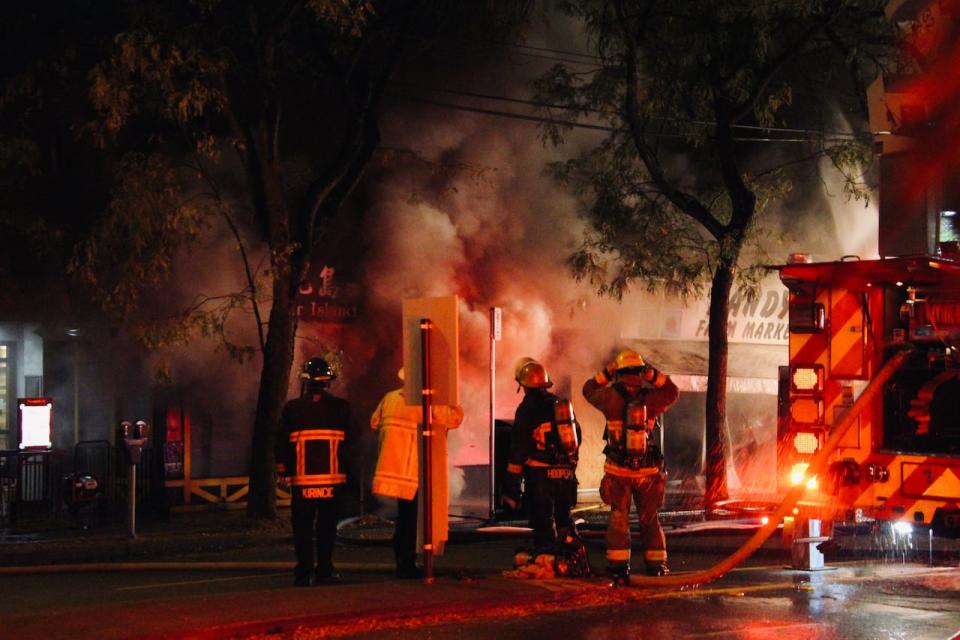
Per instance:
{"type": "Point", "coordinates": [495, 232]}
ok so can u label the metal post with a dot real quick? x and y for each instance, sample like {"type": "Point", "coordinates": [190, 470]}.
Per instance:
{"type": "Point", "coordinates": [804, 552]}
{"type": "Point", "coordinates": [494, 336]}
{"type": "Point", "coordinates": [76, 390]}
{"type": "Point", "coordinates": [427, 459]}
{"type": "Point", "coordinates": [132, 500]}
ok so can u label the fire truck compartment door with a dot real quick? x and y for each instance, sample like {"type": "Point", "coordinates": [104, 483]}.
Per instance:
{"type": "Point", "coordinates": [848, 342]}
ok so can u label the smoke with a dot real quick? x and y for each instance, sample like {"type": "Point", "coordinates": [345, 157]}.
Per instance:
{"type": "Point", "coordinates": [218, 390]}
{"type": "Point", "coordinates": [478, 217]}
{"type": "Point", "coordinates": [856, 221]}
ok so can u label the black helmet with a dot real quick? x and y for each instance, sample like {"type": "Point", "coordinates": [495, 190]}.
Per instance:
{"type": "Point", "coordinates": [317, 370]}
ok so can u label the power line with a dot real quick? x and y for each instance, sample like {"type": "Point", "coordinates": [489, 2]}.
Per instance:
{"type": "Point", "coordinates": [517, 45]}
{"type": "Point", "coordinates": [576, 124]}
{"type": "Point", "coordinates": [746, 127]}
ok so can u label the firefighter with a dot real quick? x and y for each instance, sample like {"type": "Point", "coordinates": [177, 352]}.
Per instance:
{"type": "Point", "coordinates": [632, 394]}
{"type": "Point", "coordinates": [397, 474]}
{"type": "Point", "coordinates": [310, 445]}
{"type": "Point", "coordinates": [544, 446]}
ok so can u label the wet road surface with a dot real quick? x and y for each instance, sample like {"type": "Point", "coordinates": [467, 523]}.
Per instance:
{"type": "Point", "coordinates": [851, 602]}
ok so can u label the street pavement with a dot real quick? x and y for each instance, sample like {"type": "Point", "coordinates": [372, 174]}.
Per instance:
{"type": "Point", "coordinates": [214, 575]}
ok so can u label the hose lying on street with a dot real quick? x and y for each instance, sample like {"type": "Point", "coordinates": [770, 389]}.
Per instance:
{"type": "Point", "coordinates": [790, 500]}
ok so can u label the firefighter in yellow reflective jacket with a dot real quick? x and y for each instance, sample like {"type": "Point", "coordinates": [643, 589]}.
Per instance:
{"type": "Point", "coordinates": [310, 444]}
{"type": "Point", "coordinates": [544, 446]}
{"type": "Point", "coordinates": [397, 474]}
{"type": "Point", "coordinates": [632, 394]}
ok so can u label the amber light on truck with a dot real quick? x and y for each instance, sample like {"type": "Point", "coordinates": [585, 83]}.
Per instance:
{"type": "Point", "coordinates": [798, 475]}
{"type": "Point", "coordinates": [807, 410]}
{"type": "Point", "coordinates": [807, 378]}
{"type": "Point", "coordinates": [806, 443]}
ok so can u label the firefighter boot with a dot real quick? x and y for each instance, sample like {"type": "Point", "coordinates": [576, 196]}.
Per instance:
{"type": "Point", "coordinates": [407, 568]}
{"type": "Point", "coordinates": [657, 570]}
{"type": "Point", "coordinates": [619, 575]}
{"type": "Point", "coordinates": [324, 579]}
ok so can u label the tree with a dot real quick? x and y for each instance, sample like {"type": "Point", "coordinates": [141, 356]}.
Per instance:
{"type": "Point", "coordinates": [676, 190]}
{"type": "Point", "coordinates": [289, 90]}
{"type": "Point", "coordinates": [49, 182]}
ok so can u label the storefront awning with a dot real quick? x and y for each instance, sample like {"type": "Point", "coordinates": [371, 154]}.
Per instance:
{"type": "Point", "coordinates": [751, 368]}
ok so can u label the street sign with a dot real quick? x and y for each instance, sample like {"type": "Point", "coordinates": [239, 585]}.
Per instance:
{"type": "Point", "coordinates": [496, 317]}
{"type": "Point", "coordinates": [444, 348]}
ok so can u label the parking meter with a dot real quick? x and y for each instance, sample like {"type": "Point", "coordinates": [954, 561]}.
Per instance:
{"type": "Point", "coordinates": [133, 435]}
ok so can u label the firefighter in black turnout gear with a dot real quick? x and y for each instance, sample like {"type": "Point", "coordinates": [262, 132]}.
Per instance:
{"type": "Point", "coordinates": [544, 446]}
{"type": "Point", "coordinates": [309, 454]}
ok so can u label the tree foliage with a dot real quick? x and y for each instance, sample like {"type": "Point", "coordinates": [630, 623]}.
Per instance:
{"type": "Point", "coordinates": [691, 92]}
{"type": "Point", "coordinates": [257, 116]}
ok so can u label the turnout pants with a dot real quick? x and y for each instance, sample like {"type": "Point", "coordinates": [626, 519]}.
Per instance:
{"type": "Point", "coordinates": [313, 516]}
{"type": "Point", "coordinates": [552, 492]}
{"type": "Point", "coordinates": [647, 493]}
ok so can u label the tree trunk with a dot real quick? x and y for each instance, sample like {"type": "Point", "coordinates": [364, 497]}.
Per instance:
{"type": "Point", "coordinates": [274, 378]}
{"type": "Point", "coordinates": [716, 403]}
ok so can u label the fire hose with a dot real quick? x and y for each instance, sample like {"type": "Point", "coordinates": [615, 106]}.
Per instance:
{"type": "Point", "coordinates": [790, 500]}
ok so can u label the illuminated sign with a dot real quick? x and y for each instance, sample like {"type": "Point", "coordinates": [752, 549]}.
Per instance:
{"type": "Point", "coordinates": [759, 320]}
{"type": "Point", "coordinates": [321, 298]}
{"type": "Point", "coordinates": [35, 423]}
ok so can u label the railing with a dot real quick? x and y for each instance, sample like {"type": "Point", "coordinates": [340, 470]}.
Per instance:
{"type": "Point", "coordinates": [224, 493]}
{"type": "Point", "coordinates": [31, 479]}
{"type": "Point", "coordinates": [31, 483]}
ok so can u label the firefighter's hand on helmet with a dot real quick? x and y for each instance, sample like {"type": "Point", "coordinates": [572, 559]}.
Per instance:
{"type": "Point", "coordinates": [511, 495]}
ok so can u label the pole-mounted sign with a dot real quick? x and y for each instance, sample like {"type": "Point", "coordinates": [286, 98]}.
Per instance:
{"type": "Point", "coordinates": [431, 348]}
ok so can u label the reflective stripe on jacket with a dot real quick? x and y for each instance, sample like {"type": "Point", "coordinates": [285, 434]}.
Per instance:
{"type": "Point", "coordinates": [311, 439]}
{"type": "Point", "coordinates": [316, 454]}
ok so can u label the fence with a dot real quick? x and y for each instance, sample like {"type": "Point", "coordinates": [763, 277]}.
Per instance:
{"type": "Point", "coordinates": [32, 482]}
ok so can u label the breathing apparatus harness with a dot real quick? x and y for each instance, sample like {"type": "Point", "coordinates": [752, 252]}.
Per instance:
{"type": "Point", "coordinates": [628, 440]}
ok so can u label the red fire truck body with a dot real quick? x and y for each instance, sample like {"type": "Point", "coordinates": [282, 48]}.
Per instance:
{"type": "Point", "coordinates": [900, 460]}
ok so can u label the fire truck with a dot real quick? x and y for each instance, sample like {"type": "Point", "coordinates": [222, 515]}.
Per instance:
{"type": "Point", "coordinates": [900, 459]}
{"type": "Point", "coordinates": [894, 321]}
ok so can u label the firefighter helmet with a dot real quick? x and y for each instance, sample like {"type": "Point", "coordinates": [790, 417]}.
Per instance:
{"type": "Point", "coordinates": [521, 363]}
{"type": "Point", "coordinates": [532, 375]}
{"type": "Point", "coordinates": [317, 370]}
{"type": "Point", "coordinates": [629, 359]}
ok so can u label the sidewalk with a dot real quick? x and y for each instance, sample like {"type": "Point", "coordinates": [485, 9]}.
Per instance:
{"type": "Point", "coordinates": [469, 581]}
